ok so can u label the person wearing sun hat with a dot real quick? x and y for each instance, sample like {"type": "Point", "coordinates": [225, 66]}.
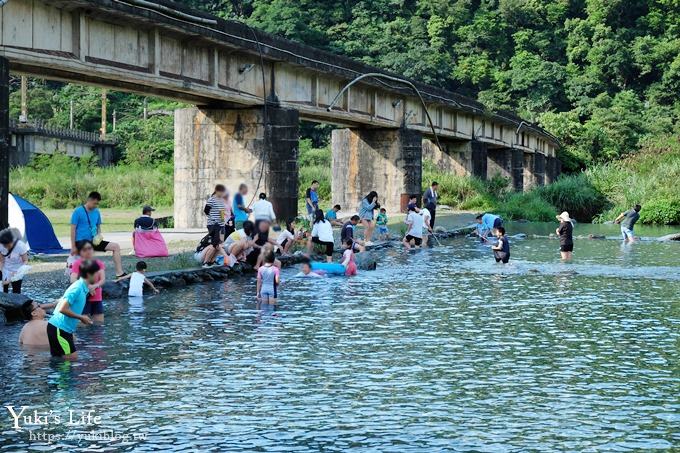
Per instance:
{"type": "Point", "coordinates": [565, 232]}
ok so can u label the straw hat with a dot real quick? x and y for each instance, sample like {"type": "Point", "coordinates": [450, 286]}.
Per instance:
{"type": "Point", "coordinates": [564, 217]}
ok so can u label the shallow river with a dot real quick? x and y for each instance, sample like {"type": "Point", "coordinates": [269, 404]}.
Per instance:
{"type": "Point", "coordinates": [436, 350]}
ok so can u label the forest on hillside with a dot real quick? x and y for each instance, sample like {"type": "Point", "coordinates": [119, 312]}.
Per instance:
{"type": "Point", "coordinates": [602, 75]}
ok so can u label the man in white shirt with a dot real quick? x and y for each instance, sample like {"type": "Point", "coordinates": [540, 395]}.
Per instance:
{"type": "Point", "coordinates": [415, 223]}
{"type": "Point", "coordinates": [263, 210]}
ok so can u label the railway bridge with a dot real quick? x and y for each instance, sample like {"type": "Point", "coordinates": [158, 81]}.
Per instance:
{"type": "Point", "coordinates": [248, 92]}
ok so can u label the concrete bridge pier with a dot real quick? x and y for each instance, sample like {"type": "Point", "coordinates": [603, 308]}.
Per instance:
{"type": "Point", "coordinates": [534, 170]}
{"type": "Point", "coordinates": [479, 159]}
{"type": "Point", "coordinates": [499, 163]}
{"type": "Point", "coordinates": [517, 170]}
{"type": "Point", "coordinates": [4, 142]}
{"type": "Point", "coordinates": [528, 179]}
{"type": "Point", "coordinates": [233, 146]}
{"type": "Point", "coordinates": [388, 161]}
{"type": "Point", "coordinates": [550, 169]}
{"type": "Point", "coordinates": [539, 169]}
{"type": "Point", "coordinates": [456, 157]}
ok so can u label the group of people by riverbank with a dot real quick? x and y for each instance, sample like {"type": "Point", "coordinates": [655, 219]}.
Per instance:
{"type": "Point", "coordinates": [238, 231]}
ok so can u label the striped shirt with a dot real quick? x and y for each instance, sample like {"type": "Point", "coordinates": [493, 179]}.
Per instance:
{"type": "Point", "coordinates": [217, 210]}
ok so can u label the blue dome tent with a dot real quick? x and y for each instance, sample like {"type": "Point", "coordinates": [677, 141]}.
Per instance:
{"type": "Point", "coordinates": [34, 226]}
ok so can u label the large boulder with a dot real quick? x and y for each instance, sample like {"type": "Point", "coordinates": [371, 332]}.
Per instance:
{"type": "Point", "coordinates": [365, 261]}
{"type": "Point", "coordinates": [10, 307]}
{"type": "Point", "coordinates": [112, 290]}
{"type": "Point", "coordinates": [670, 237]}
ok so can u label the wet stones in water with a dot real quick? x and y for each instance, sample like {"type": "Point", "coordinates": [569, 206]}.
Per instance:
{"type": "Point", "coordinates": [365, 261]}
{"type": "Point", "coordinates": [10, 307]}
{"type": "Point", "coordinates": [112, 290]}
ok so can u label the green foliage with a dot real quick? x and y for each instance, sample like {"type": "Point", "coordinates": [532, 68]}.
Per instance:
{"type": "Point", "coordinates": [314, 164]}
{"type": "Point", "coordinates": [576, 195]}
{"type": "Point", "coordinates": [663, 211]}
{"type": "Point", "coordinates": [601, 75]}
{"type": "Point", "coordinates": [147, 142]}
{"type": "Point", "coordinates": [526, 206]}
{"type": "Point", "coordinates": [59, 181]}
{"type": "Point", "coordinates": [310, 156]}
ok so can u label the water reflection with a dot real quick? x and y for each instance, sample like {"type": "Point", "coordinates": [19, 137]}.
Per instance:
{"type": "Point", "coordinates": [441, 349]}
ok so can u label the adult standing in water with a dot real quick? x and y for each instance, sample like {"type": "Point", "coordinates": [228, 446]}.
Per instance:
{"type": "Point", "coordinates": [368, 205]}
{"type": "Point", "coordinates": [86, 222]}
{"type": "Point", "coordinates": [628, 220]}
{"type": "Point", "coordinates": [312, 199]}
{"type": "Point", "coordinates": [565, 232]}
{"type": "Point", "coordinates": [430, 198]}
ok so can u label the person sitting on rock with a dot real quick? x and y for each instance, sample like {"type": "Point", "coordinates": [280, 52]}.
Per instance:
{"type": "Point", "coordinates": [34, 332]}
{"type": "Point", "coordinates": [240, 243]}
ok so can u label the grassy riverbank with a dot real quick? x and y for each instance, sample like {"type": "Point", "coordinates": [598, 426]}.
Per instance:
{"type": "Point", "coordinates": [115, 219]}
{"type": "Point", "coordinates": [597, 194]}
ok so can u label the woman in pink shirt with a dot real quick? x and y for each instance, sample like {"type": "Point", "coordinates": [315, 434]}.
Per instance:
{"type": "Point", "coordinates": [94, 306]}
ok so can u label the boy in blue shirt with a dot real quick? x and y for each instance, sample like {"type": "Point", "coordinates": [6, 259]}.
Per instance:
{"type": "Point", "coordinates": [67, 313]}
{"type": "Point", "coordinates": [332, 215]}
{"type": "Point", "coordinates": [312, 199]}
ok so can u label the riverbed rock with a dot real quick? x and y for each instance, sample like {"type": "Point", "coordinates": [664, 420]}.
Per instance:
{"type": "Point", "coordinates": [365, 261]}
{"type": "Point", "coordinates": [112, 290]}
{"type": "Point", "coordinates": [670, 237]}
{"type": "Point", "coordinates": [10, 307]}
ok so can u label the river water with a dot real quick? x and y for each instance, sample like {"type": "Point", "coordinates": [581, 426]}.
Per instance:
{"type": "Point", "coordinates": [437, 350]}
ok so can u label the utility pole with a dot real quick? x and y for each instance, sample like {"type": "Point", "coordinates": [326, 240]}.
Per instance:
{"type": "Point", "coordinates": [103, 128]}
{"type": "Point", "coordinates": [70, 115]}
{"type": "Point", "coordinates": [23, 118]}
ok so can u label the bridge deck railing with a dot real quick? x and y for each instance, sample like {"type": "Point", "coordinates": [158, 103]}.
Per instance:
{"type": "Point", "coordinates": [40, 127]}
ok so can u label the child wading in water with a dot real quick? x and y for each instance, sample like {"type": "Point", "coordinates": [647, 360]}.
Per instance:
{"type": "Point", "coordinates": [306, 271]}
{"type": "Point", "coordinates": [94, 307]}
{"type": "Point", "coordinates": [381, 221]}
{"type": "Point", "coordinates": [138, 280]}
{"type": "Point", "coordinates": [68, 311]}
{"type": "Point", "coordinates": [501, 251]}
{"type": "Point", "coordinates": [348, 258]}
{"type": "Point", "coordinates": [268, 279]}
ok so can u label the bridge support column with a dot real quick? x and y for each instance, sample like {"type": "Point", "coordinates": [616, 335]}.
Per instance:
{"type": "Point", "coordinates": [499, 162]}
{"type": "Point", "coordinates": [388, 161]}
{"type": "Point", "coordinates": [518, 170]}
{"type": "Point", "coordinates": [456, 157]}
{"type": "Point", "coordinates": [4, 141]}
{"type": "Point", "coordinates": [550, 169]}
{"type": "Point", "coordinates": [479, 159]}
{"type": "Point", "coordinates": [529, 179]}
{"type": "Point", "coordinates": [229, 147]}
{"type": "Point", "coordinates": [539, 169]}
